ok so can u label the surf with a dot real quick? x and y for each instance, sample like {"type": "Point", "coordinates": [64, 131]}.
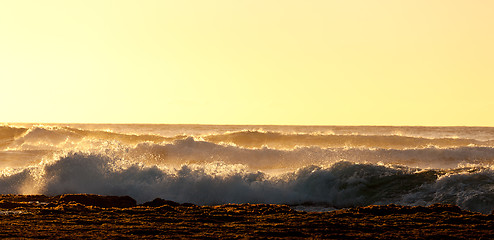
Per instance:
{"type": "Point", "coordinates": [314, 167]}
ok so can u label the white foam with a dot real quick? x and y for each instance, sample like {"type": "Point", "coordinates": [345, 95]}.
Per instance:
{"type": "Point", "coordinates": [338, 185]}
{"type": "Point", "coordinates": [301, 170]}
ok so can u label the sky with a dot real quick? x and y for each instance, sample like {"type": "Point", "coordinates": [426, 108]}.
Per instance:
{"type": "Point", "coordinates": [302, 62]}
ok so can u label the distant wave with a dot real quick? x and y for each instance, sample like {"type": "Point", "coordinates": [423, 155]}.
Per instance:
{"type": "Point", "coordinates": [193, 151]}
{"type": "Point", "coordinates": [8, 134]}
{"type": "Point", "coordinates": [258, 139]}
{"type": "Point", "coordinates": [340, 184]}
{"type": "Point", "coordinates": [46, 136]}
{"type": "Point", "coordinates": [43, 137]}
{"type": "Point", "coordinates": [37, 143]}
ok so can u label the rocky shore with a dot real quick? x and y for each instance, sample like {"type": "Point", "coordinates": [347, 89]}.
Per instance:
{"type": "Point", "coordinates": [75, 216]}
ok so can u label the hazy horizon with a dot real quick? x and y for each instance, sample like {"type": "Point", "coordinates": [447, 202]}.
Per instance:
{"type": "Point", "coordinates": [239, 124]}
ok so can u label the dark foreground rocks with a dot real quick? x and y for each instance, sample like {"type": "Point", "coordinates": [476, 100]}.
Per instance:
{"type": "Point", "coordinates": [109, 217]}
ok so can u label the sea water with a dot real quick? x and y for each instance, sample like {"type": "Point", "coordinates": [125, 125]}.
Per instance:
{"type": "Point", "coordinates": [308, 167]}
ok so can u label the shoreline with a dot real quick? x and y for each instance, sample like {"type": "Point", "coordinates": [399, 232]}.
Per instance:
{"type": "Point", "coordinates": [75, 216]}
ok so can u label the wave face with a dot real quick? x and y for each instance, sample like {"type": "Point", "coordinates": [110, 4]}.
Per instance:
{"type": "Point", "coordinates": [328, 167]}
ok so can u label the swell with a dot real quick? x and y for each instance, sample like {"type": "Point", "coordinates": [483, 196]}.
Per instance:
{"type": "Point", "coordinates": [194, 151]}
{"type": "Point", "coordinates": [37, 143]}
{"type": "Point", "coordinates": [257, 139]}
{"type": "Point", "coordinates": [65, 137]}
{"type": "Point", "coordinates": [60, 138]}
{"type": "Point", "coordinates": [340, 184]}
{"type": "Point", "coordinates": [9, 134]}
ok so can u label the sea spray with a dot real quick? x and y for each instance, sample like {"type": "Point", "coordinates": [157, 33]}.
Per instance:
{"type": "Point", "coordinates": [334, 168]}
{"type": "Point", "coordinates": [342, 184]}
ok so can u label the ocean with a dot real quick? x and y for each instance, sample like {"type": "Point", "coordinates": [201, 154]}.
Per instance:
{"type": "Point", "coordinates": [312, 168]}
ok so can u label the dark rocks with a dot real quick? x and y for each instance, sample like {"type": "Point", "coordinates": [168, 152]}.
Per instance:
{"type": "Point", "coordinates": [158, 202]}
{"type": "Point", "coordinates": [11, 205]}
{"type": "Point", "coordinates": [188, 205]}
{"type": "Point", "coordinates": [99, 201]}
{"type": "Point", "coordinates": [88, 216]}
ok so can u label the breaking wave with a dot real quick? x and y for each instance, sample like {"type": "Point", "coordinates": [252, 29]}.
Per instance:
{"type": "Point", "coordinates": [341, 184]}
{"type": "Point", "coordinates": [335, 168]}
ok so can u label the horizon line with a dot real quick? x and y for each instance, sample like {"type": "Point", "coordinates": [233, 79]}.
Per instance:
{"type": "Point", "coordinates": [240, 124]}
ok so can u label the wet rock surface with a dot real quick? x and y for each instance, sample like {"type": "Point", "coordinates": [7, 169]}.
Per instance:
{"type": "Point", "coordinates": [99, 201]}
{"type": "Point", "coordinates": [76, 216]}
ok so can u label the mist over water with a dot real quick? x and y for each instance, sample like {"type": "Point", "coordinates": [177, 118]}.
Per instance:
{"type": "Point", "coordinates": [323, 166]}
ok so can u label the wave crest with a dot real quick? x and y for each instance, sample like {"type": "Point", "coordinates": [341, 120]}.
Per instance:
{"type": "Point", "coordinates": [278, 140]}
{"type": "Point", "coordinates": [341, 184]}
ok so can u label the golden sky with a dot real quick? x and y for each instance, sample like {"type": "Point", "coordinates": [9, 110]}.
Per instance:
{"type": "Point", "coordinates": [351, 62]}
